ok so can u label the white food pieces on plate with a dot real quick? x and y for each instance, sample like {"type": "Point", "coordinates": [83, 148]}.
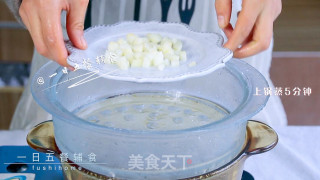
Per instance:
{"type": "Point", "coordinates": [153, 50]}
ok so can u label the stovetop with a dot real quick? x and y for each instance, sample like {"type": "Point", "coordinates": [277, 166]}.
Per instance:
{"type": "Point", "coordinates": [24, 163]}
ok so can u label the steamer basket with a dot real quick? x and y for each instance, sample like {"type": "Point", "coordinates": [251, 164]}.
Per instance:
{"type": "Point", "coordinates": [211, 146]}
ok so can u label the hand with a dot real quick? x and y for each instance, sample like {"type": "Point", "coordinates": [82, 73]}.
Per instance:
{"type": "Point", "coordinates": [254, 27]}
{"type": "Point", "coordinates": [43, 20]}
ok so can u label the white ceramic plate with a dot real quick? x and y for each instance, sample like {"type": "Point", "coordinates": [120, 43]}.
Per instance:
{"type": "Point", "coordinates": [203, 48]}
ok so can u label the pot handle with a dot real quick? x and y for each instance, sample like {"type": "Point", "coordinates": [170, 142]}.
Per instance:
{"type": "Point", "coordinates": [41, 138]}
{"type": "Point", "coordinates": [262, 138]}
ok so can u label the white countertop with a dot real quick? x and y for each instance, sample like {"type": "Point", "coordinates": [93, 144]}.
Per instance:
{"type": "Point", "coordinates": [296, 157]}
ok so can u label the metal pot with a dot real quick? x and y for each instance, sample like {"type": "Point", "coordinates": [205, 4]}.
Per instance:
{"type": "Point", "coordinates": [259, 138]}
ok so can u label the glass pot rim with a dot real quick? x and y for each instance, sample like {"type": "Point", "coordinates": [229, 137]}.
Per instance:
{"type": "Point", "coordinates": [249, 77]}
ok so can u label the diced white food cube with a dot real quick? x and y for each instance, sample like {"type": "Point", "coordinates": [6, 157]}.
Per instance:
{"type": "Point", "coordinates": [168, 54]}
{"type": "Point", "coordinates": [175, 63]}
{"type": "Point", "coordinates": [166, 47]}
{"type": "Point", "coordinates": [145, 40]}
{"type": "Point", "coordinates": [131, 38]}
{"type": "Point", "coordinates": [146, 62]}
{"type": "Point", "coordinates": [138, 55]}
{"type": "Point", "coordinates": [126, 49]}
{"type": "Point", "coordinates": [164, 40]}
{"type": "Point", "coordinates": [124, 46]}
{"type": "Point", "coordinates": [136, 63]}
{"type": "Point", "coordinates": [183, 56]}
{"type": "Point", "coordinates": [168, 51]}
{"type": "Point", "coordinates": [154, 38]}
{"type": "Point", "coordinates": [129, 56]}
{"type": "Point", "coordinates": [158, 59]}
{"type": "Point", "coordinates": [153, 47]}
{"type": "Point", "coordinates": [121, 41]}
{"type": "Point", "coordinates": [149, 55]}
{"type": "Point", "coordinates": [149, 47]}
{"type": "Point", "coordinates": [166, 44]}
{"type": "Point", "coordinates": [174, 40]}
{"type": "Point", "coordinates": [118, 52]}
{"type": "Point", "coordinates": [146, 47]}
{"type": "Point", "coordinates": [113, 46]}
{"type": "Point", "coordinates": [138, 41]}
{"type": "Point", "coordinates": [123, 63]}
{"type": "Point", "coordinates": [177, 45]}
{"type": "Point", "coordinates": [193, 63]}
{"type": "Point", "coordinates": [174, 57]}
{"type": "Point", "coordinates": [138, 47]}
{"type": "Point", "coordinates": [157, 55]}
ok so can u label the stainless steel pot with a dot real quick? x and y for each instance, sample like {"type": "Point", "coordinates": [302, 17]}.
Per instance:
{"type": "Point", "coordinates": [259, 138]}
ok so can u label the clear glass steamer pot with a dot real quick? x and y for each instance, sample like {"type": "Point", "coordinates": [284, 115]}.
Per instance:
{"type": "Point", "coordinates": [210, 146]}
